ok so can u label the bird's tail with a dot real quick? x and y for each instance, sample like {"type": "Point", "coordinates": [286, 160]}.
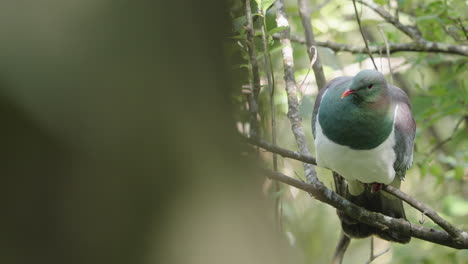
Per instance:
{"type": "Point", "coordinates": [380, 202]}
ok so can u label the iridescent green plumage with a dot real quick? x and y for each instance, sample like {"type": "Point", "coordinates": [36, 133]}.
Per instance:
{"type": "Point", "coordinates": [354, 120]}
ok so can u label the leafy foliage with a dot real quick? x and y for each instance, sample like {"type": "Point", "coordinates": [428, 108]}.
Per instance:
{"type": "Point", "coordinates": [436, 84]}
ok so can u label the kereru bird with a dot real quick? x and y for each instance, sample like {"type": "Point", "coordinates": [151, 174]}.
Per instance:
{"type": "Point", "coordinates": [364, 130]}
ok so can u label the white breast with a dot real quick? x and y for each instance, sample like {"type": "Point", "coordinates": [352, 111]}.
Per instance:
{"type": "Point", "coordinates": [367, 166]}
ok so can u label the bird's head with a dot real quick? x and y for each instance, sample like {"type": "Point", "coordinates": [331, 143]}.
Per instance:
{"type": "Point", "coordinates": [367, 86]}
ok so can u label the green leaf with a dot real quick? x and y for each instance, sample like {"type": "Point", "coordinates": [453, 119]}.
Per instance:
{"type": "Point", "coordinates": [263, 5]}
{"type": "Point", "coordinates": [435, 169]}
{"type": "Point", "coordinates": [360, 57]}
{"type": "Point", "coordinates": [368, 22]}
{"type": "Point", "coordinates": [459, 173]}
{"type": "Point", "coordinates": [276, 30]}
{"type": "Point", "coordinates": [240, 66]}
{"type": "Point", "coordinates": [258, 34]}
{"type": "Point", "coordinates": [448, 160]}
{"type": "Point", "coordinates": [237, 37]}
{"type": "Point", "coordinates": [456, 206]}
{"type": "Point", "coordinates": [272, 51]}
{"type": "Point", "coordinates": [381, 2]}
{"type": "Point", "coordinates": [238, 22]}
{"type": "Point", "coordinates": [422, 170]}
{"type": "Point", "coordinates": [257, 14]}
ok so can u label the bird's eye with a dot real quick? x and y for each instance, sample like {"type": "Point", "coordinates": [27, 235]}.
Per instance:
{"type": "Point", "coordinates": [370, 86]}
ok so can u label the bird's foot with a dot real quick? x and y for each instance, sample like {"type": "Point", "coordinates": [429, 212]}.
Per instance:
{"type": "Point", "coordinates": [376, 187]}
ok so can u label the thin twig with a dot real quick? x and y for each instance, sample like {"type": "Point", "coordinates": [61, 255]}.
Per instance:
{"type": "Point", "coordinates": [281, 151]}
{"type": "Point", "coordinates": [410, 31]}
{"type": "Point", "coordinates": [340, 250]}
{"type": "Point", "coordinates": [445, 141]}
{"type": "Point", "coordinates": [381, 63]}
{"type": "Point", "coordinates": [362, 34]}
{"type": "Point", "coordinates": [453, 231]}
{"type": "Point", "coordinates": [271, 89]}
{"type": "Point", "coordinates": [314, 59]}
{"type": "Point", "coordinates": [378, 255]}
{"type": "Point", "coordinates": [304, 13]}
{"type": "Point", "coordinates": [440, 143]}
{"type": "Point", "coordinates": [318, 7]}
{"type": "Point", "coordinates": [323, 194]}
{"type": "Point", "coordinates": [387, 47]}
{"type": "Point", "coordinates": [253, 106]}
{"type": "Point", "coordinates": [397, 11]}
{"type": "Point", "coordinates": [460, 22]}
{"type": "Point", "coordinates": [373, 256]}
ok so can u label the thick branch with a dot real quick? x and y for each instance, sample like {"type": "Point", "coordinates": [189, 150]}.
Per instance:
{"type": "Point", "coordinates": [453, 231]}
{"type": "Point", "coordinates": [322, 193]}
{"type": "Point", "coordinates": [427, 46]}
{"type": "Point", "coordinates": [310, 43]}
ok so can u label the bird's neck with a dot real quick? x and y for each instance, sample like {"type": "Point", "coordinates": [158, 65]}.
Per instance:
{"type": "Point", "coordinates": [359, 125]}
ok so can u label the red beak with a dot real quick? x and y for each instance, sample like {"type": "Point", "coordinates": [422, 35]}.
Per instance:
{"type": "Point", "coordinates": [346, 93]}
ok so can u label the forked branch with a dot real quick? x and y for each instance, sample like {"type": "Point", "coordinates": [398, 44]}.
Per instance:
{"type": "Point", "coordinates": [453, 236]}
{"type": "Point", "coordinates": [323, 194]}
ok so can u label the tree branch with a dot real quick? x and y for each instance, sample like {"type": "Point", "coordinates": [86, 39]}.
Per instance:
{"type": "Point", "coordinates": [279, 150]}
{"type": "Point", "coordinates": [456, 233]}
{"type": "Point", "coordinates": [374, 256]}
{"type": "Point", "coordinates": [316, 188]}
{"type": "Point", "coordinates": [310, 43]}
{"type": "Point", "coordinates": [387, 48]}
{"type": "Point", "coordinates": [419, 44]}
{"type": "Point", "coordinates": [291, 90]}
{"type": "Point", "coordinates": [441, 143]}
{"type": "Point", "coordinates": [323, 194]}
{"type": "Point", "coordinates": [253, 98]}
{"type": "Point", "coordinates": [412, 31]}
{"type": "Point", "coordinates": [435, 47]}
{"type": "Point", "coordinates": [341, 247]}
{"type": "Point", "coordinates": [271, 89]}
{"type": "Point", "coordinates": [362, 34]}
{"type": "Point", "coordinates": [453, 231]}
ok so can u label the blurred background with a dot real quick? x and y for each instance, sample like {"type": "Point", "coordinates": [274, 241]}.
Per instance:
{"type": "Point", "coordinates": [119, 141]}
{"type": "Point", "coordinates": [435, 82]}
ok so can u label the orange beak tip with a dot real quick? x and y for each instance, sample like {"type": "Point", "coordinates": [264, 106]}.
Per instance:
{"type": "Point", "coordinates": [346, 93]}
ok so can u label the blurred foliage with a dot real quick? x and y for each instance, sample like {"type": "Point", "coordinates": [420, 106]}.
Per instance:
{"type": "Point", "coordinates": [436, 84]}
{"type": "Point", "coordinates": [117, 138]}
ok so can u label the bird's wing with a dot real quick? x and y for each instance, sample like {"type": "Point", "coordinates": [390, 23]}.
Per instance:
{"type": "Point", "coordinates": [333, 83]}
{"type": "Point", "coordinates": [405, 129]}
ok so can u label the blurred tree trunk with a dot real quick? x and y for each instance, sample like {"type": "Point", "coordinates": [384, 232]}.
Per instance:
{"type": "Point", "coordinates": [117, 140]}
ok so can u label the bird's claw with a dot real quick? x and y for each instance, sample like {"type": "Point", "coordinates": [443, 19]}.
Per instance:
{"type": "Point", "coordinates": [376, 187]}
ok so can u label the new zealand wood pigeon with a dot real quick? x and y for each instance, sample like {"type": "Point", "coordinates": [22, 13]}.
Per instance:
{"type": "Point", "coordinates": [364, 130]}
